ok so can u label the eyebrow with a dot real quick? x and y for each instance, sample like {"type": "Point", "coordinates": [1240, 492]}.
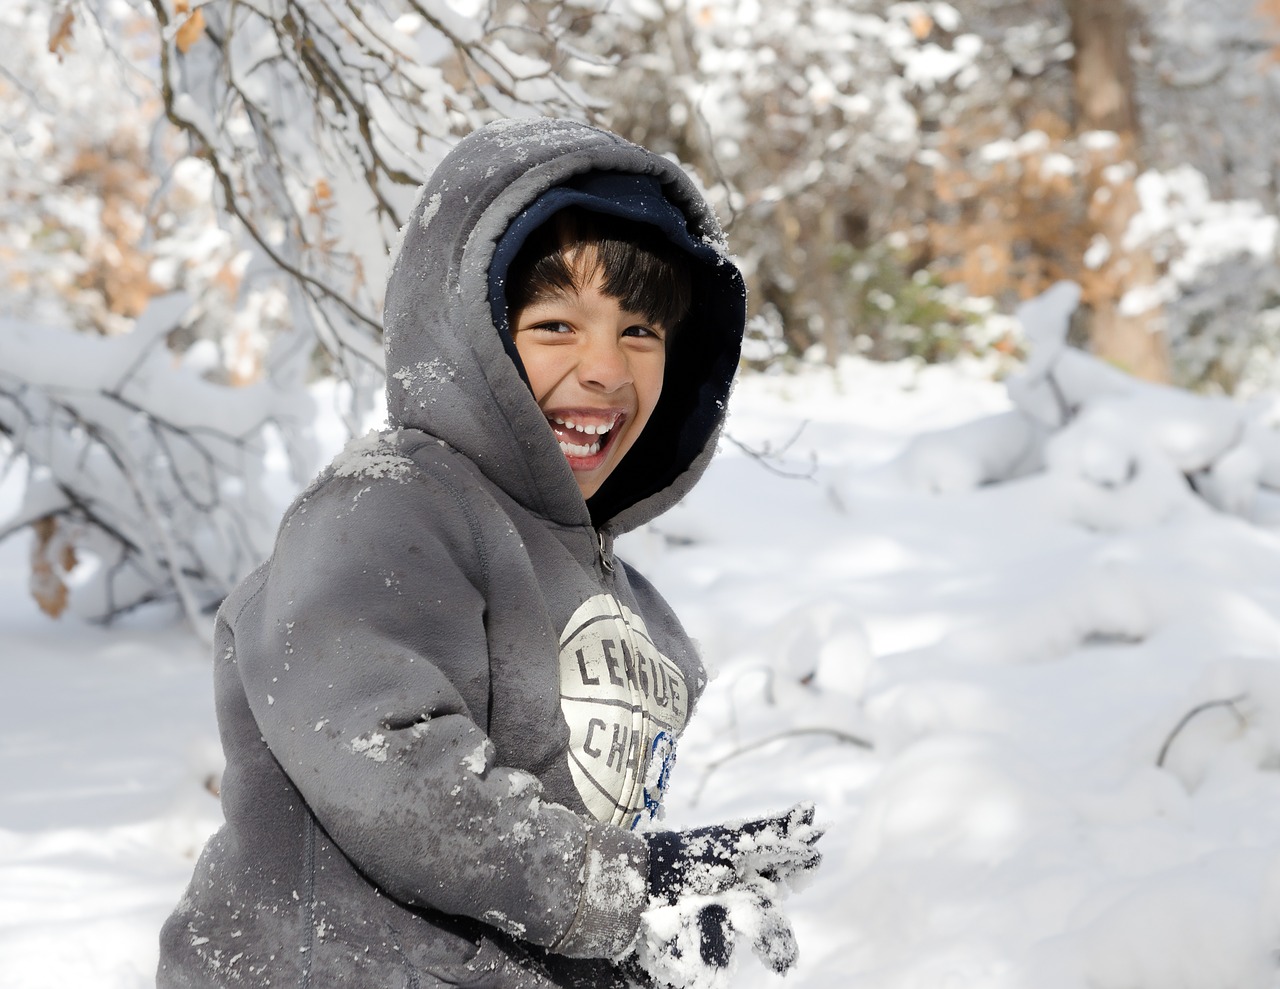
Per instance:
{"type": "Point", "coordinates": [554, 294]}
{"type": "Point", "coordinates": [551, 296]}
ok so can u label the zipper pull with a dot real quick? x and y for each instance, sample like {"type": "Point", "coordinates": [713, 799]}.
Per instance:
{"type": "Point", "coordinates": [605, 562]}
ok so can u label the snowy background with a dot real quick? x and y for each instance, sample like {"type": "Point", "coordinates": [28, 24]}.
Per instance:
{"type": "Point", "coordinates": [1012, 621]}
{"type": "Point", "coordinates": [1059, 639]}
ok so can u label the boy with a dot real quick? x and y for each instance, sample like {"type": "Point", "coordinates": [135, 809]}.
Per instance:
{"type": "Point", "coordinates": [445, 705]}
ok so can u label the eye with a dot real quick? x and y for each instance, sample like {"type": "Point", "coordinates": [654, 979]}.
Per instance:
{"type": "Point", "coordinates": [552, 326]}
{"type": "Point", "coordinates": [640, 330]}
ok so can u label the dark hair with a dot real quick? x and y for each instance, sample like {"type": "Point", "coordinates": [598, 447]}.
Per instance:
{"type": "Point", "coordinates": [645, 272]}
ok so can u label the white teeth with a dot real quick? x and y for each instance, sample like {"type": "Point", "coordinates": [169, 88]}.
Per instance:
{"type": "Point", "coordinates": [590, 429]}
{"type": "Point", "coordinates": [573, 450]}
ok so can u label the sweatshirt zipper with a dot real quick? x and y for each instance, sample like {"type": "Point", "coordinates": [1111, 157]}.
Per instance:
{"type": "Point", "coordinates": [606, 562]}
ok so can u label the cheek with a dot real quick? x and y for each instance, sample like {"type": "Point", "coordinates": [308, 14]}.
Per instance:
{"type": "Point", "coordinates": [538, 368]}
{"type": "Point", "coordinates": [649, 385]}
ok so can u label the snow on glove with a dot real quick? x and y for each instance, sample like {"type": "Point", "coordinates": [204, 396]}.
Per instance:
{"type": "Point", "coordinates": [690, 944]}
{"type": "Point", "coordinates": [715, 887]}
{"type": "Point", "coordinates": [707, 860]}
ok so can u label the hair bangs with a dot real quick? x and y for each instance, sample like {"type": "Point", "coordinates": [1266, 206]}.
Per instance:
{"type": "Point", "coordinates": [637, 265]}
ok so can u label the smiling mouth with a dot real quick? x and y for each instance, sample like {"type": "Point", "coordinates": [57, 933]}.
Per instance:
{"type": "Point", "coordinates": [583, 439]}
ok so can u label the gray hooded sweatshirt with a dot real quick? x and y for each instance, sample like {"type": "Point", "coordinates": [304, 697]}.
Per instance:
{"type": "Point", "coordinates": [444, 703]}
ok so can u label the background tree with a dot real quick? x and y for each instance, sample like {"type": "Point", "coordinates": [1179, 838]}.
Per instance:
{"type": "Point", "coordinates": [895, 171]}
{"type": "Point", "coordinates": [216, 187]}
{"type": "Point", "coordinates": [1130, 336]}
{"type": "Point", "coordinates": [220, 183]}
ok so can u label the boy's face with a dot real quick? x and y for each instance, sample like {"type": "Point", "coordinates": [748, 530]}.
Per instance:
{"type": "Point", "coordinates": [595, 371]}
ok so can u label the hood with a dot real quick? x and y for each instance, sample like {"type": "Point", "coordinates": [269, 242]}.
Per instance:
{"type": "Point", "coordinates": [451, 369]}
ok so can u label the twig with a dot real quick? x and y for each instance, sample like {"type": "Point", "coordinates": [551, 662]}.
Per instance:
{"type": "Point", "coordinates": [764, 455]}
{"type": "Point", "coordinates": [845, 738]}
{"type": "Point", "coordinates": [1065, 408]}
{"type": "Point", "coordinates": [1227, 702]}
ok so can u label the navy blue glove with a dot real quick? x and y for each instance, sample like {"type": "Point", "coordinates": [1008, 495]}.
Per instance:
{"type": "Point", "coordinates": [713, 886]}
{"type": "Point", "coordinates": [713, 936]}
{"type": "Point", "coordinates": [712, 859]}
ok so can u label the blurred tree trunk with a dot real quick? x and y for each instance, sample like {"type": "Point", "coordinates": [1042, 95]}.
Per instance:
{"type": "Point", "coordinates": [1105, 102]}
{"type": "Point", "coordinates": [1104, 73]}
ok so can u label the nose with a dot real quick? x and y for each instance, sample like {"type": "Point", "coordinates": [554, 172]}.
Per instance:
{"type": "Point", "coordinates": [604, 364]}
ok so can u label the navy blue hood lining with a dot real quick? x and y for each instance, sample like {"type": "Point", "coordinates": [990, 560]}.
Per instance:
{"type": "Point", "coordinates": [702, 358]}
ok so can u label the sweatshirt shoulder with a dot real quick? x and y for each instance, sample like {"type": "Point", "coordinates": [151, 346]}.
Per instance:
{"type": "Point", "coordinates": [384, 491]}
{"type": "Point", "coordinates": [395, 501]}
{"type": "Point", "coordinates": [392, 455]}
{"type": "Point", "coordinates": [393, 465]}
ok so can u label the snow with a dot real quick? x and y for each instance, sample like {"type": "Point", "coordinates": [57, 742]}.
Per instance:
{"type": "Point", "coordinates": [372, 455]}
{"type": "Point", "coordinates": [670, 935]}
{"type": "Point", "coordinates": [373, 747]}
{"type": "Point", "coordinates": [106, 746]}
{"type": "Point", "coordinates": [1028, 674]}
{"type": "Point", "coordinates": [476, 760]}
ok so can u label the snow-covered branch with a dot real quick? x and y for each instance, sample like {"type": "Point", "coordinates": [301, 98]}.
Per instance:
{"type": "Point", "coordinates": [320, 119]}
{"type": "Point", "coordinates": [211, 189]}
{"type": "Point", "coordinates": [1126, 449]}
{"type": "Point", "coordinates": [154, 474]}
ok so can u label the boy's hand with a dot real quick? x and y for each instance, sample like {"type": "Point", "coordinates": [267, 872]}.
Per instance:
{"type": "Point", "coordinates": [691, 944]}
{"type": "Point", "coordinates": [708, 860]}
{"type": "Point", "coordinates": [715, 887]}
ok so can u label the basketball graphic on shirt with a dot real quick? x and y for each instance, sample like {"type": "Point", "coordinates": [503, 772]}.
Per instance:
{"type": "Point", "coordinates": [624, 703]}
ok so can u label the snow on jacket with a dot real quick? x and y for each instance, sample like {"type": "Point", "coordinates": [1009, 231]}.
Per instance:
{"type": "Point", "coordinates": [444, 702]}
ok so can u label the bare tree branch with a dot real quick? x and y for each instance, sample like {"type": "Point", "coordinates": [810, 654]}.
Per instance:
{"type": "Point", "coordinates": [1228, 702]}
{"type": "Point", "coordinates": [842, 737]}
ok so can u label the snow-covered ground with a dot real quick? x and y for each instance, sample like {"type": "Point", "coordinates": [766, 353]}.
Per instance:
{"type": "Point", "coordinates": [1069, 680]}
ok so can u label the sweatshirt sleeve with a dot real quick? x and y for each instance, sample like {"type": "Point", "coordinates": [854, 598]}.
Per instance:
{"type": "Point", "coordinates": [356, 656]}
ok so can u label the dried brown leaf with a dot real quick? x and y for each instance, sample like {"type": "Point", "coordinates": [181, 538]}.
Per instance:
{"type": "Point", "coordinates": [921, 24]}
{"type": "Point", "coordinates": [191, 31]}
{"type": "Point", "coordinates": [60, 31]}
{"type": "Point", "coordinates": [1269, 10]}
{"type": "Point", "coordinates": [47, 586]}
